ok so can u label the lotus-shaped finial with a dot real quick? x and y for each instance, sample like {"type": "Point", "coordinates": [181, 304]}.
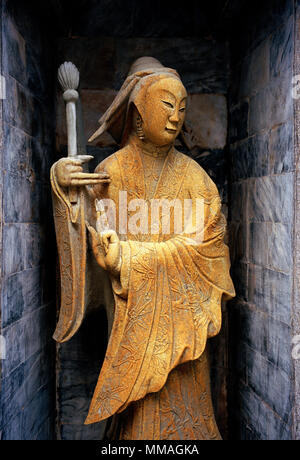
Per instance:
{"type": "Point", "coordinates": [68, 76]}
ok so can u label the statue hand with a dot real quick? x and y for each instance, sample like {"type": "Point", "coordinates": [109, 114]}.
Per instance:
{"type": "Point", "coordinates": [69, 172]}
{"type": "Point", "coordinates": [112, 248]}
{"type": "Point", "coordinates": [107, 249]}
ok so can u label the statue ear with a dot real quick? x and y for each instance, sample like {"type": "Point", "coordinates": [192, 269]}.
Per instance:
{"type": "Point", "coordinates": [133, 123]}
{"type": "Point", "coordinates": [137, 122]}
{"type": "Point", "coordinates": [135, 112]}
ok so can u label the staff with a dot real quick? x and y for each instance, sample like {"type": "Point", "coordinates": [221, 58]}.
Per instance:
{"type": "Point", "coordinates": [68, 77]}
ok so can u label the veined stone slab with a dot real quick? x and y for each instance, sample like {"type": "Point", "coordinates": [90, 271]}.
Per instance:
{"type": "Point", "coordinates": [14, 51]}
{"type": "Point", "coordinates": [271, 383]}
{"type": "Point", "coordinates": [271, 292]}
{"type": "Point", "coordinates": [17, 389]}
{"type": "Point", "coordinates": [255, 70]}
{"type": "Point", "coordinates": [238, 121]}
{"type": "Point", "coordinates": [281, 48]}
{"type": "Point", "coordinates": [21, 292]}
{"type": "Point", "coordinates": [281, 147]}
{"type": "Point", "coordinates": [272, 105]}
{"type": "Point", "coordinates": [207, 117]}
{"type": "Point", "coordinates": [264, 422]}
{"type": "Point", "coordinates": [14, 249]}
{"type": "Point", "coordinates": [271, 199]}
{"type": "Point", "coordinates": [280, 247]}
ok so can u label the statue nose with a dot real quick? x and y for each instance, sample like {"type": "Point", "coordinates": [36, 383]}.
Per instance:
{"type": "Point", "coordinates": [174, 118]}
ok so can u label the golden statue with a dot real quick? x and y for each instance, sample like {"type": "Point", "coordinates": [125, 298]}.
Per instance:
{"type": "Point", "coordinates": [161, 284]}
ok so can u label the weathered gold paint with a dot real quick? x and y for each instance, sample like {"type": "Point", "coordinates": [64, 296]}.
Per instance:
{"type": "Point", "coordinates": [162, 292]}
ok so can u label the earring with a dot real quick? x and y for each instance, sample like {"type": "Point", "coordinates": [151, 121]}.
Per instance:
{"type": "Point", "coordinates": [139, 127]}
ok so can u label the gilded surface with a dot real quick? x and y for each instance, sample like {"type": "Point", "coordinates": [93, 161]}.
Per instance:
{"type": "Point", "coordinates": [167, 285]}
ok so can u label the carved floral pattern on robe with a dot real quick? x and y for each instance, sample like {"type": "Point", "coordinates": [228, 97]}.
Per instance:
{"type": "Point", "coordinates": [167, 303]}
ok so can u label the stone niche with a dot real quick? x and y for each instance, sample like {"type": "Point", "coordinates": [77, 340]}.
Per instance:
{"type": "Point", "coordinates": [236, 60]}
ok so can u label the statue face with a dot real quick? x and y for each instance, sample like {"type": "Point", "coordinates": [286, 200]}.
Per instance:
{"type": "Point", "coordinates": [164, 111]}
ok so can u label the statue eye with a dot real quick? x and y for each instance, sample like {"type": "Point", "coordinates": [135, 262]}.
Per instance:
{"type": "Point", "coordinates": [182, 109]}
{"type": "Point", "coordinates": [168, 104]}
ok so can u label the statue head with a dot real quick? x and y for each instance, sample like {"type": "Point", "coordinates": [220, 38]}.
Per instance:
{"type": "Point", "coordinates": [160, 110]}
{"type": "Point", "coordinates": [151, 103]}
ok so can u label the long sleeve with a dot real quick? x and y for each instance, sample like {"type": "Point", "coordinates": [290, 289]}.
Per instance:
{"type": "Point", "coordinates": [173, 305]}
{"type": "Point", "coordinates": [71, 244]}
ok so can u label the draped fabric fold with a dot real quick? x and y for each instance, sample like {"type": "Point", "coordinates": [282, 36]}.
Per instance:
{"type": "Point", "coordinates": [72, 251]}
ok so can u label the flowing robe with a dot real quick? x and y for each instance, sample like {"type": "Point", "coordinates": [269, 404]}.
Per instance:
{"type": "Point", "coordinates": [167, 302]}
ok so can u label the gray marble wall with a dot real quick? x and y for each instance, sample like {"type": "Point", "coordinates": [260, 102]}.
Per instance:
{"type": "Point", "coordinates": [261, 221]}
{"type": "Point", "coordinates": [27, 398]}
{"type": "Point", "coordinates": [257, 163]}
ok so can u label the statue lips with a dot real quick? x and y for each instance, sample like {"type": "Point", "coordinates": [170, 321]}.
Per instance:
{"type": "Point", "coordinates": [172, 134]}
{"type": "Point", "coordinates": [172, 131]}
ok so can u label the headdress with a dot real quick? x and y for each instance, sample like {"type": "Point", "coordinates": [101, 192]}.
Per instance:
{"type": "Point", "coordinates": [142, 74]}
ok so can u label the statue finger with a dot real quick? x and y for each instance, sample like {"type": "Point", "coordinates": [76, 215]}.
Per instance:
{"type": "Point", "coordinates": [113, 237]}
{"type": "Point", "coordinates": [101, 239]}
{"type": "Point", "coordinates": [74, 168]}
{"type": "Point", "coordinates": [103, 174]}
{"type": "Point", "coordinates": [94, 233]}
{"type": "Point", "coordinates": [96, 245]}
{"type": "Point", "coordinates": [78, 182]}
{"type": "Point", "coordinates": [72, 161]}
{"type": "Point", "coordinates": [84, 158]}
{"type": "Point", "coordinates": [91, 229]}
{"type": "Point", "coordinates": [83, 175]}
{"type": "Point", "coordinates": [110, 236]}
{"type": "Point", "coordinates": [105, 240]}
{"type": "Point", "coordinates": [96, 240]}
